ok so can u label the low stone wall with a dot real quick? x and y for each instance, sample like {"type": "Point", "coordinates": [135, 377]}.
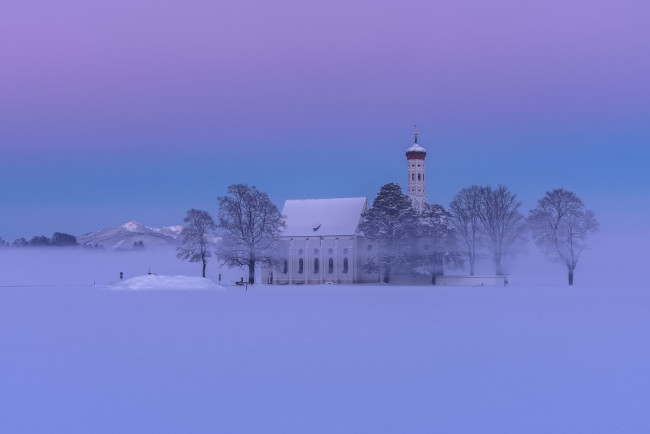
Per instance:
{"type": "Point", "coordinates": [409, 279]}
{"type": "Point", "coordinates": [472, 280]}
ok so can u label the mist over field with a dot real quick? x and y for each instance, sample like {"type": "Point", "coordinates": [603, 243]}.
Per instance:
{"type": "Point", "coordinates": [82, 267]}
{"type": "Point", "coordinates": [611, 260]}
{"type": "Point", "coordinates": [85, 353]}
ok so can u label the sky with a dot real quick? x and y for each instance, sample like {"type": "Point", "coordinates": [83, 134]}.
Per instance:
{"type": "Point", "coordinates": [142, 109]}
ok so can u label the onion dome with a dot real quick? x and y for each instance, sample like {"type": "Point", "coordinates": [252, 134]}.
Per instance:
{"type": "Point", "coordinates": [416, 152]}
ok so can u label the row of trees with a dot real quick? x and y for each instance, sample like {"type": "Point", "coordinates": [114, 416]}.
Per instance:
{"type": "Point", "coordinates": [59, 239]}
{"type": "Point", "coordinates": [480, 220]}
{"type": "Point", "coordinates": [249, 226]}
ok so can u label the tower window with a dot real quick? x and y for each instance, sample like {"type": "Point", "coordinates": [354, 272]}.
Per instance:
{"type": "Point", "coordinates": [330, 266]}
{"type": "Point", "coordinates": [301, 265]}
{"type": "Point", "coordinates": [330, 251]}
{"type": "Point", "coordinates": [285, 267]}
{"type": "Point", "coordinates": [413, 176]}
{"type": "Point", "coordinates": [316, 266]}
{"type": "Point", "coordinates": [419, 177]}
{"type": "Point", "coordinates": [345, 265]}
{"type": "Point", "coordinates": [300, 252]}
{"type": "Point", "coordinates": [315, 251]}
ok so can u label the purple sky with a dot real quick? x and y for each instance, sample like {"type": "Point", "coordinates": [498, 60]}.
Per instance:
{"type": "Point", "coordinates": [120, 110]}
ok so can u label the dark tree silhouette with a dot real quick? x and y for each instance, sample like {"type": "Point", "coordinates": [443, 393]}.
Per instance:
{"type": "Point", "coordinates": [21, 242]}
{"type": "Point", "coordinates": [196, 237]}
{"type": "Point", "coordinates": [61, 239]}
{"type": "Point", "coordinates": [40, 241]}
{"type": "Point", "coordinates": [250, 228]}
{"type": "Point", "coordinates": [560, 226]}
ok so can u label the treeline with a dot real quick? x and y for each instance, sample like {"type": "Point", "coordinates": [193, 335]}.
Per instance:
{"type": "Point", "coordinates": [59, 239]}
{"type": "Point", "coordinates": [249, 226]}
{"type": "Point", "coordinates": [480, 222]}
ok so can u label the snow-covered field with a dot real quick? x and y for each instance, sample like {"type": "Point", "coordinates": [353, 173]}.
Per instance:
{"type": "Point", "coordinates": [84, 358]}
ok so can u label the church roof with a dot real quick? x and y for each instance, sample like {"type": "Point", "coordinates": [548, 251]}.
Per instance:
{"type": "Point", "coordinates": [323, 217]}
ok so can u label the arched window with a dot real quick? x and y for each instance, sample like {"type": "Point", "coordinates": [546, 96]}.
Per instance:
{"type": "Point", "coordinates": [330, 266]}
{"type": "Point", "coordinates": [419, 177]}
{"type": "Point", "coordinates": [315, 251]}
{"type": "Point", "coordinates": [285, 267]}
{"type": "Point", "coordinates": [316, 266]}
{"type": "Point", "coordinates": [301, 264]}
{"type": "Point", "coordinates": [330, 251]}
{"type": "Point", "coordinates": [412, 176]}
{"type": "Point", "coordinates": [345, 265]}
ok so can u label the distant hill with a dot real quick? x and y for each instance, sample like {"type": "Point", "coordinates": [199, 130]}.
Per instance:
{"type": "Point", "coordinates": [132, 235]}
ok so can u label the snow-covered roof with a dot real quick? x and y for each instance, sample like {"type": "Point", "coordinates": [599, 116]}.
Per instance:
{"type": "Point", "coordinates": [416, 148]}
{"type": "Point", "coordinates": [323, 217]}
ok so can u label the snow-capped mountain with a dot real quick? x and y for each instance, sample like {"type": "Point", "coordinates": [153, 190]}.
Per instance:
{"type": "Point", "coordinates": [132, 235]}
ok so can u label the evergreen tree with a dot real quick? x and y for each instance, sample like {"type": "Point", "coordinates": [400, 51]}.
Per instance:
{"type": "Point", "coordinates": [392, 222]}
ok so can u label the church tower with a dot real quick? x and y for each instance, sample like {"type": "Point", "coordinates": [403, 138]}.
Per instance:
{"type": "Point", "coordinates": [415, 156]}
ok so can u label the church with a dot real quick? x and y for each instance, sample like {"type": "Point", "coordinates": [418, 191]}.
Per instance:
{"type": "Point", "coordinates": [322, 242]}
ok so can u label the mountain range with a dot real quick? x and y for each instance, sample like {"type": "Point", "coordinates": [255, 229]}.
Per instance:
{"type": "Point", "coordinates": [132, 235]}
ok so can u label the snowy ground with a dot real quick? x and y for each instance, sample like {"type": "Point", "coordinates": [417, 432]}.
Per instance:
{"type": "Point", "coordinates": [78, 358]}
{"type": "Point", "coordinates": [325, 359]}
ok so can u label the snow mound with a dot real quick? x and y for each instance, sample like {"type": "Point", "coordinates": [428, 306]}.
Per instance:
{"type": "Point", "coordinates": [152, 281]}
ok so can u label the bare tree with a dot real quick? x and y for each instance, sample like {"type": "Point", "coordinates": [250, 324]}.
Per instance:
{"type": "Point", "coordinates": [465, 210]}
{"type": "Point", "coordinates": [501, 222]}
{"type": "Point", "coordinates": [251, 226]}
{"type": "Point", "coordinates": [560, 226]}
{"type": "Point", "coordinates": [196, 237]}
{"type": "Point", "coordinates": [440, 240]}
